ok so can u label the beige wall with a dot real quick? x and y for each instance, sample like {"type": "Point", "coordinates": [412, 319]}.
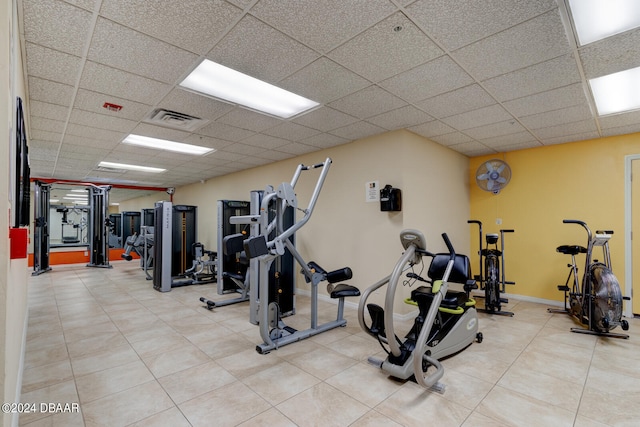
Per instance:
{"type": "Point", "coordinates": [344, 229]}
{"type": "Point", "coordinates": [13, 275]}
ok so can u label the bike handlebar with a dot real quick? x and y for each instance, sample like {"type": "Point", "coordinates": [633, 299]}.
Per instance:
{"type": "Point", "coordinates": [474, 221]}
{"type": "Point", "coordinates": [452, 251]}
{"type": "Point", "coordinates": [507, 231]}
{"type": "Point", "coordinates": [574, 221]}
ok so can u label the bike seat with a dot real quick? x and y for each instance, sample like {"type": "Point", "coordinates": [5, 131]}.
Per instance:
{"type": "Point", "coordinates": [571, 249]}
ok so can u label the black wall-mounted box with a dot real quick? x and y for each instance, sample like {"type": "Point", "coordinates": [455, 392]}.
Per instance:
{"type": "Point", "coordinates": [390, 199]}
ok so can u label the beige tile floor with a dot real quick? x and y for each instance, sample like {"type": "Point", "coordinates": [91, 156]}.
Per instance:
{"type": "Point", "coordinates": [131, 356]}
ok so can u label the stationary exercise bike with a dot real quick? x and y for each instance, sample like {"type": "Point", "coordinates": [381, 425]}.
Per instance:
{"type": "Point", "coordinates": [447, 321]}
{"type": "Point", "coordinates": [596, 301]}
{"type": "Point", "coordinates": [492, 277]}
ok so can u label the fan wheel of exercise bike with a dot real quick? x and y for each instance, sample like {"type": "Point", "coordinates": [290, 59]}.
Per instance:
{"type": "Point", "coordinates": [606, 310]}
{"type": "Point", "coordinates": [493, 175]}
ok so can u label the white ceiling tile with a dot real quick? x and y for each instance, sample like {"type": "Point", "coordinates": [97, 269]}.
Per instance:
{"type": "Point", "coordinates": [368, 102]}
{"type": "Point", "coordinates": [508, 140]}
{"type": "Point", "coordinates": [531, 42]}
{"type": "Point", "coordinates": [48, 111]}
{"type": "Point", "coordinates": [101, 121]}
{"type": "Point", "coordinates": [621, 130]}
{"type": "Point", "coordinates": [254, 48]}
{"type": "Point", "coordinates": [557, 117]}
{"type": "Point", "coordinates": [193, 26]}
{"type": "Point", "coordinates": [224, 157]}
{"type": "Point", "coordinates": [85, 4]}
{"type": "Point", "coordinates": [611, 55]}
{"type": "Point", "coordinates": [618, 120]}
{"type": "Point", "coordinates": [325, 140]}
{"type": "Point", "coordinates": [50, 92]}
{"type": "Point", "coordinates": [442, 20]}
{"type": "Point", "coordinates": [401, 118]}
{"type": "Point", "coordinates": [451, 139]}
{"type": "Point", "coordinates": [427, 80]}
{"type": "Point", "coordinates": [297, 148]}
{"type": "Point", "coordinates": [94, 102]}
{"type": "Point", "coordinates": [382, 51]}
{"type": "Point", "coordinates": [324, 81]}
{"type": "Point", "coordinates": [472, 149]}
{"type": "Point", "coordinates": [516, 146]}
{"type": "Point", "coordinates": [275, 155]}
{"type": "Point", "coordinates": [357, 130]}
{"type": "Point", "coordinates": [479, 117]}
{"type": "Point", "coordinates": [56, 25]}
{"type": "Point", "coordinates": [457, 101]}
{"type": "Point", "coordinates": [265, 141]}
{"type": "Point", "coordinates": [39, 60]}
{"type": "Point", "coordinates": [150, 44]}
{"type": "Point", "coordinates": [291, 131]}
{"type": "Point", "coordinates": [224, 131]}
{"type": "Point", "coordinates": [325, 119]}
{"type": "Point", "coordinates": [82, 151]}
{"type": "Point", "coordinates": [432, 129]}
{"type": "Point", "coordinates": [40, 123]}
{"type": "Point", "coordinates": [495, 129]}
{"type": "Point", "coordinates": [570, 138]}
{"type": "Point", "coordinates": [564, 130]}
{"type": "Point", "coordinates": [549, 100]}
{"type": "Point", "coordinates": [43, 153]}
{"type": "Point", "coordinates": [322, 25]}
{"type": "Point", "coordinates": [247, 119]}
{"type": "Point", "coordinates": [106, 137]}
{"type": "Point", "coordinates": [120, 47]}
{"type": "Point", "coordinates": [556, 73]}
{"type": "Point", "coordinates": [243, 149]}
{"type": "Point", "coordinates": [103, 79]}
{"type": "Point", "coordinates": [43, 135]}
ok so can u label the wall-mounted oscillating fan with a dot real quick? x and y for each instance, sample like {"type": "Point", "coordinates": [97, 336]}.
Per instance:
{"type": "Point", "coordinates": [493, 175]}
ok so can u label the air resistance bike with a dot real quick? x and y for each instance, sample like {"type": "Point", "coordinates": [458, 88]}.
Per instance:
{"type": "Point", "coordinates": [596, 301]}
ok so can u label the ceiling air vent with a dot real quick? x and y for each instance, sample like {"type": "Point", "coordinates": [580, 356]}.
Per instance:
{"type": "Point", "coordinates": [175, 120]}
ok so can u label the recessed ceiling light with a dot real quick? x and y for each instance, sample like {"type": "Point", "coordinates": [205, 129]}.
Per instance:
{"type": "Point", "coordinates": [131, 167]}
{"type": "Point", "coordinates": [597, 19]}
{"type": "Point", "coordinates": [212, 79]}
{"type": "Point", "coordinates": [163, 144]}
{"type": "Point", "coordinates": [617, 92]}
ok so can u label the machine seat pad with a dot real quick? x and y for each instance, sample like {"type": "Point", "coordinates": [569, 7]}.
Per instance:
{"type": "Point", "coordinates": [236, 276]}
{"type": "Point", "coordinates": [343, 290]}
{"type": "Point", "coordinates": [571, 249]}
{"type": "Point", "coordinates": [452, 300]}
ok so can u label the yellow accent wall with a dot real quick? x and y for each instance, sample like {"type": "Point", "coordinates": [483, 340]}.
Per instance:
{"type": "Point", "coordinates": [580, 180]}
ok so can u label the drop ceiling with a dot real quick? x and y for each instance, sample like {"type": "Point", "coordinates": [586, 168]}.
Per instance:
{"type": "Point", "coordinates": [479, 77]}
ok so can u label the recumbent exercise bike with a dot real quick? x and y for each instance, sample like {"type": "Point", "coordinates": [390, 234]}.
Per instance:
{"type": "Point", "coordinates": [447, 321]}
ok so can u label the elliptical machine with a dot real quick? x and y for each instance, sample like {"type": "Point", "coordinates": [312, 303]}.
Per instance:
{"type": "Point", "coordinates": [596, 301]}
{"type": "Point", "coordinates": [447, 321]}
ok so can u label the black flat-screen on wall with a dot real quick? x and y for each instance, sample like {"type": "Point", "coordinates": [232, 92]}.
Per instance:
{"type": "Point", "coordinates": [23, 185]}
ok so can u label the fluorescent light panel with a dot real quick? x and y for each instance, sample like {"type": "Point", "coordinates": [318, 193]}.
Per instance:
{"type": "Point", "coordinates": [617, 92]}
{"type": "Point", "coordinates": [598, 19]}
{"type": "Point", "coordinates": [131, 167]}
{"type": "Point", "coordinates": [210, 78]}
{"type": "Point", "coordinates": [163, 144]}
